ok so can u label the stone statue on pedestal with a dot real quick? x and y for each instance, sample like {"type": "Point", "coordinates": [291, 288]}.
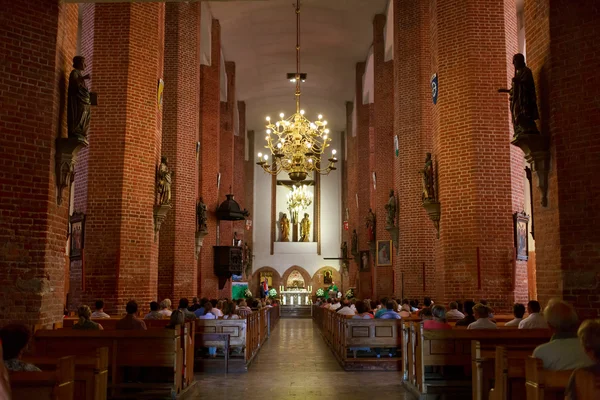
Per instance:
{"type": "Point", "coordinates": [284, 223]}
{"type": "Point", "coordinates": [523, 102]}
{"type": "Point", "coordinates": [305, 229]}
{"type": "Point", "coordinates": [163, 182]}
{"type": "Point", "coordinates": [371, 222]}
{"type": "Point", "coordinates": [391, 210]}
{"type": "Point", "coordinates": [354, 242]}
{"type": "Point", "coordinates": [78, 101]}
{"type": "Point", "coordinates": [344, 249]}
{"type": "Point", "coordinates": [428, 186]}
{"type": "Point", "coordinates": [201, 219]}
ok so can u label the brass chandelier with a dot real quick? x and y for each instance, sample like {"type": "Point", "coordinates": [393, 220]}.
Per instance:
{"type": "Point", "coordinates": [298, 200]}
{"type": "Point", "coordinates": [296, 143]}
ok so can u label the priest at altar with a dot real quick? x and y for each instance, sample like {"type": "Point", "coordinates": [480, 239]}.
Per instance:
{"type": "Point", "coordinates": [332, 290]}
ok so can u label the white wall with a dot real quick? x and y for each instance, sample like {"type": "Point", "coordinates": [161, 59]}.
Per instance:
{"type": "Point", "coordinates": [331, 224]}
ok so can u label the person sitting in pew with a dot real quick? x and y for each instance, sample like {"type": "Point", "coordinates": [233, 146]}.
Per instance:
{"type": "Point", "coordinates": [439, 319]}
{"type": "Point", "coordinates": [212, 351]}
{"type": "Point", "coordinates": [535, 320]}
{"type": "Point", "coordinates": [131, 322]}
{"type": "Point", "coordinates": [390, 312]}
{"type": "Point", "coordinates": [454, 313]}
{"type": "Point", "coordinates": [414, 305]}
{"type": "Point", "coordinates": [99, 311]}
{"type": "Point", "coordinates": [176, 318]}
{"type": "Point", "coordinates": [518, 312]}
{"type": "Point", "coordinates": [563, 351]}
{"type": "Point", "coordinates": [469, 318]}
{"type": "Point", "coordinates": [84, 313]}
{"type": "Point", "coordinates": [585, 381]}
{"type": "Point", "coordinates": [230, 312]}
{"type": "Point", "coordinates": [362, 312]}
{"type": "Point", "coordinates": [183, 307]}
{"type": "Point", "coordinates": [218, 310]}
{"type": "Point", "coordinates": [244, 310]}
{"type": "Point", "coordinates": [15, 338]}
{"type": "Point", "coordinates": [165, 308]}
{"type": "Point", "coordinates": [345, 308]}
{"type": "Point", "coordinates": [427, 302]}
{"type": "Point", "coordinates": [404, 310]}
{"type": "Point", "coordinates": [335, 304]}
{"type": "Point", "coordinates": [482, 316]}
{"type": "Point", "coordinates": [195, 304]}
{"type": "Point", "coordinates": [154, 313]}
{"type": "Point", "coordinates": [426, 315]}
{"type": "Point", "coordinates": [490, 309]}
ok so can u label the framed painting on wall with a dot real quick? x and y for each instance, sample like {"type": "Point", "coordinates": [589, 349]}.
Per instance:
{"type": "Point", "coordinates": [328, 277]}
{"type": "Point", "coordinates": [77, 235]}
{"type": "Point", "coordinates": [269, 276]}
{"type": "Point", "coordinates": [521, 223]}
{"type": "Point", "coordinates": [384, 253]}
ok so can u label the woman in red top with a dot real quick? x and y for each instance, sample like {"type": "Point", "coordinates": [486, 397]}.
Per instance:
{"type": "Point", "coordinates": [439, 319]}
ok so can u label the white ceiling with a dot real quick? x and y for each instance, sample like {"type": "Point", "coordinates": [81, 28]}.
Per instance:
{"type": "Point", "coordinates": [260, 37]}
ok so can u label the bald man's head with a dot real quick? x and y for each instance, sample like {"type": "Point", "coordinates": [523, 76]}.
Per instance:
{"type": "Point", "coordinates": [561, 316]}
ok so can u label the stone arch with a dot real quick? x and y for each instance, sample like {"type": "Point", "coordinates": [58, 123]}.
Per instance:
{"type": "Point", "coordinates": [254, 283]}
{"type": "Point", "coordinates": [303, 272]}
{"type": "Point", "coordinates": [317, 278]}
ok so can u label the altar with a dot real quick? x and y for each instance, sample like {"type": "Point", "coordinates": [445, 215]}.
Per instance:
{"type": "Point", "coordinates": [295, 297]}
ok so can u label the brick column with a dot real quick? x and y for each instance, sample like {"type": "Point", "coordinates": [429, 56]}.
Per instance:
{"type": "Point", "coordinates": [471, 150]}
{"type": "Point", "coordinates": [33, 90]}
{"type": "Point", "coordinates": [248, 181]}
{"type": "Point", "coordinates": [210, 128]}
{"type": "Point", "coordinates": [564, 54]}
{"type": "Point", "coordinates": [177, 272]}
{"type": "Point", "coordinates": [383, 153]}
{"type": "Point", "coordinates": [239, 171]}
{"type": "Point", "coordinates": [350, 187]}
{"type": "Point", "coordinates": [121, 253]}
{"type": "Point", "coordinates": [412, 119]}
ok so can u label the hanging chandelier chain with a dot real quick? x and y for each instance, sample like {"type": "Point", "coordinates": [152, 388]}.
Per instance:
{"type": "Point", "coordinates": [298, 56]}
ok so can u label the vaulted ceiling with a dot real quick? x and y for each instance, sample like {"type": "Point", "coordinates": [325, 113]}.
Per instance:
{"type": "Point", "coordinates": [260, 37]}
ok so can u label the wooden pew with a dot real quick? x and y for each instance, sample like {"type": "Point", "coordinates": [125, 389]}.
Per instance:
{"type": "Point", "coordinates": [56, 383]}
{"type": "Point", "coordinates": [453, 348]}
{"type": "Point", "coordinates": [126, 349]}
{"type": "Point", "coordinates": [91, 373]}
{"type": "Point", "coordinates": [509, 374]}
{"type": "Point", "coordinates": [543, 384]}
{"type": "Point", "coordinates": [219, 340]}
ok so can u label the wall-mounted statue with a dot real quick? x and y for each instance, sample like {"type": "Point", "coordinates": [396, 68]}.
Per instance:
{"type": "Point", "coordinates": [344, 250]}
{"type": "Point", "coordinates": [201, 218]}
{"type": "Point", "coordinates": [354, 242]}
{"type": "Point", "coordinates": [247, 260]}
{"type": "Point", "coordinates": [371, 222]}
{"type": "Point", "coordinates": [163, 182]}
{"type": "Point", "coordinates": [391, 210]}
{"type": "Point", "coordinates": [305, 229]}
{"type": "Point", "coordinates": [428, 185]}
{"type": "Point", "coordinates": [78, 101]}
{"type": "Point", "coordinates": [284, 224]}
{"type": "Point", "coordinates": [523, 103]}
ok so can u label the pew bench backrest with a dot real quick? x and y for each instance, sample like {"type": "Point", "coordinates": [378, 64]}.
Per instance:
{"type": "Point", "coordinates": [543, 384]}
{"type": "Point", "coordinates": [236, 328]}
{"type": "Point", "coordinates": [56, 383]}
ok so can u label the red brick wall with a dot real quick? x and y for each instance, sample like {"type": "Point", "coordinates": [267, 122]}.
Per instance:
{"type": "Point", "coordinates": [120, 250]}
{"type": "Point", "coordinates": [177, 270]}
{"type": "Point", "coordinates": [471, 152]}
{"type": "Point", "coordinates": [37, 42]}
{"type": "Point", "coordinates": [564, 54]}
{"type": "Point", "coordinates": [412, 119]}
{"type": "Point", "coordinates": [210, 127]}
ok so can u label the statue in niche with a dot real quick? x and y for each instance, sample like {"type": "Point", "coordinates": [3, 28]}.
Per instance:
{"type": "Point", "coordinates": [354, 242]}
{"type": "Point", "coordinates": [305, 229]}
{"type": "Point", "coordinates": [201, 219]}
{"type": "Point", "coordinates": [78, 101]}
{"type": "Point", "coordinates": [284, 224]}
{"type": "Point", "coordinates": [236, 242]}
{"type": "Point", "coordinates": [428, 188]}
{"type": "Point", "coordinates": [248, 259]}
{"type": "Point", "coordinates": [391, 210]}
{"type": "Point", "coordinates": [163, 182]}
{"type": "Point", "coordinates": [371, 222]}
{"type": "Point", "coordinates": [344, 250]}
{"type": "Point", "coordinates": [523, 102]}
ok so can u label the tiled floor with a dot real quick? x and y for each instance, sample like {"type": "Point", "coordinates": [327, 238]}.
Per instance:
{"type": "Point", "coordinates": [295, 363]}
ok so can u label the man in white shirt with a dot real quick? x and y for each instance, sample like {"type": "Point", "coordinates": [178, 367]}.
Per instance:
{"type": "Point", "coordinates": [563, 351]}
{"type": "Point", "coordinates": [99, 312]}
{"type": "Point", "coordinates": [345, 309]}
{"type": "Point", "coordinates": [335, 304]}
{"type": "Point", "coordinates": [482, 315]}
{"type": "Point", "coordinates": [518, 312]}
{"type": "Point", "coordinates": [453, 313]}
{"type": "Point", "coordinates": [535, 320]}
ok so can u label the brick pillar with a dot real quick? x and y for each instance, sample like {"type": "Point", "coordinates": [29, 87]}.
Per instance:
{"type": "Point", "coordinates": [363, 180]}
{"type": "Point", "coordinates": [239, 171]}
{"type": "Point", "coordinates": [412, 119]}
{"type": "Point", "coordinates": [564, 55]}
{"type": "Point", "coordinates": [210, 128]}
{"type": "Point", "coordinates": [471, 151]}
{"type": "Point", "coordinates": [383, 153]}
{"type": "Point", "coordinates": [121, 253]}
{"type": "Point", "coordinates": [177, 272]}
{"type": "Point", "coordinates": [248, 181]}
{"type": "Point", "coordinates": [33, 90]}
{"type": "Point", "coordinates": [350, 184]}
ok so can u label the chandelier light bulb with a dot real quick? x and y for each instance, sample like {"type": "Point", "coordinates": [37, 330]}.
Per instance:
{"type": "Point", "coordinates": [267, 138]}
{"type": "Point", "coordinates": [301, 112]}
{"type": "Point", "coordinates": [320, 116]}
{"type": "Point", "coordinates": [281, 115]}
{"type": "Point", "coordinates": [266, 157]}
{"type": "Point", "coordinates": [325, 137]}
{"type": "Point", "coordinates": [277, 124]}
{"type": "Point", "coordinates": [308, 144]}
{"type": "Point", "coordinates": [313, 126]}
{"type": "Point", "coordinates": [268, 118]}
{"type": "Point", "coordinates": [326, 130]}
{"type": "Point", "coordinates": [324, 122]}
{"type": "Point", "coordinates": [259, 155]}
{"type": "Point", "coordinates": [279, 145]}
{"type": "Point", "coordinates": [333, 152]}
{"type": "Point", "coordinates": [269, 131]}
{"type": "Point", "coordinates": [310, 160]}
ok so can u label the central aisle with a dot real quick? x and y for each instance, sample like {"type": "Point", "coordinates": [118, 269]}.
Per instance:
{"type": "Point", "coordinates": [295, 363]}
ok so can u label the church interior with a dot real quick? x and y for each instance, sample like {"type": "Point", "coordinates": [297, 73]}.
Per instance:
{"type": "Point", "coordinates": [316, 198]}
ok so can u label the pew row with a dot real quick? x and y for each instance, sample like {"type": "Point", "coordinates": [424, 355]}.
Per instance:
{"type": "Point", "coordinates": [543, 384]}
{"type": "Point", "coordinates": [54, 383]}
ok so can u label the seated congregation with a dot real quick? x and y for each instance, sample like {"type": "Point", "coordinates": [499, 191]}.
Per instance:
{"type": "Point", "coordinates": [467, 348]}
{"type": "Point", "coordinates": [94, 355]}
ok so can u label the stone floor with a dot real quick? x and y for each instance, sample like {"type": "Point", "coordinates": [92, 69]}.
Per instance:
{"type": "Point", "coordinates": [295, 363]}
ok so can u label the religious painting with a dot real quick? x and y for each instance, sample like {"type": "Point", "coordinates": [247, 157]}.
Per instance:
{"type": "Point", "coordinates": [295, 280]}
{"type": "Point", "coordinates": [384, 253]}
{"type": "Point", "coordinates": [521, 222]}
{"type": "Point", "coordinates": [77, 235]}
{"type": "Point", "coordinates": [364, 260]}
{"type": "Point", "coordinates": [327, 277]}
{"type": "Point", "coordinates": [238, 290]}
{"type": "Point", "coordinates": [269, 276]}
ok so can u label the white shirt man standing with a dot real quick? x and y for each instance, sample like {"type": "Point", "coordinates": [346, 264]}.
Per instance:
{"type": "Point", "coordinates": [535, 320]}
